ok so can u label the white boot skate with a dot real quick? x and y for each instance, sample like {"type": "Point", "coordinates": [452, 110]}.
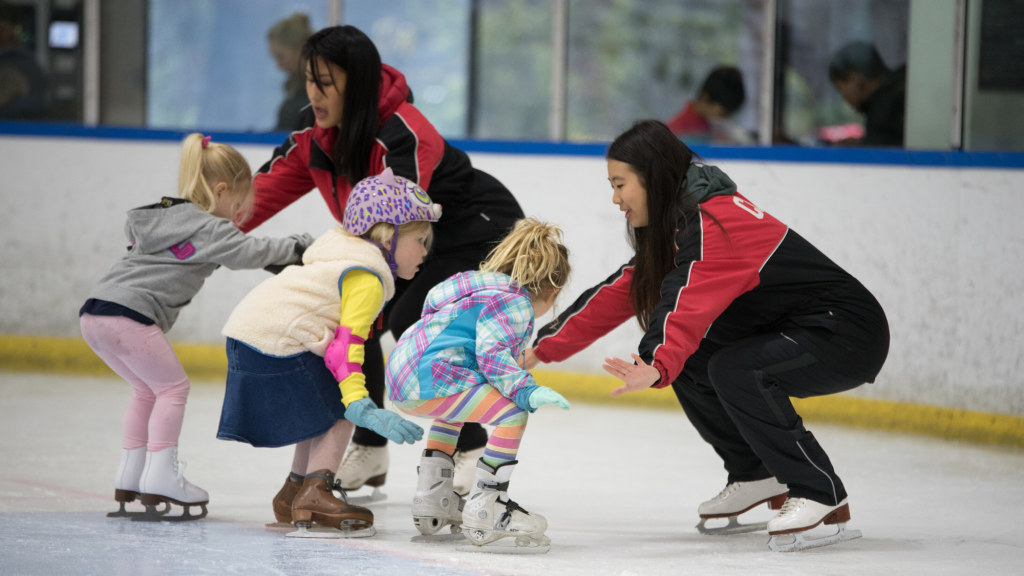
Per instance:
{"type": "Point", "coordinates": [737, 498]}
{"type": "Point", "coordinates": [436, 505]}
{"type": "Point", "coordinates": [126, 482]}
{"type": "Point", "coordinates": [465, 469]}
{"type": "Point", "coordinates": [489, 515]}
{"type": "Point", "coordinates": [163, 480]}
{"type": "Point", "coordinates": [799, 515]}
{"type": "Point", "coordinates": [364, 465]}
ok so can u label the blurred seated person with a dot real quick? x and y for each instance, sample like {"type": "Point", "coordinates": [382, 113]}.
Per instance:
{"type": "Point", "coordinates": [706, 119]}
{"type": "Point", "coordinates": [22, 81]}
{"type": "Point", "coordinates": [285, 40]}
{"type": "Point", "coordinates": [880, 94]}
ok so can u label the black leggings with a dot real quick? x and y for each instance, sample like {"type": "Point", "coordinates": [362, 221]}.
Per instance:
{"type": "Point", "coordinates": [737, 397]}
{"type": "Point", "coordinates": [402, 312]}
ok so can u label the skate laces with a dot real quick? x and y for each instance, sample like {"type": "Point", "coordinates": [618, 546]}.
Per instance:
{"type": "Point", "coordinates": [791, 505]}
{"type": "Point", "coordinates": [728, 491]}
{"type": "Point", "coordinates": [357, 456]}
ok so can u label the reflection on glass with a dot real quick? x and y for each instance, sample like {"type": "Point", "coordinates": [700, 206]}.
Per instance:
{"type": "Point", "coordinates": [285, 40]}
{"type": "Point", "coordinates": [632, 60]}
{"type": "Point", "coordinates": [429, 43]}
{"type": "Point", "coordinates": [23, 82]}
{"type": "Point", "coordinates": [809, 107]}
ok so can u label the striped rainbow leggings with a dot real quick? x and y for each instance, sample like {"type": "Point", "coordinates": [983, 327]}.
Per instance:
{"type": "Point", "coordinates": [483, 404]}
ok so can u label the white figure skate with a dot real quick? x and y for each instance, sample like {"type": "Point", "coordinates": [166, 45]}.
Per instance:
{"type": "Point", "coordinates": [737, 498]}
{"type": "Point", "coordinates": [465, 469]}
{"type": "Point", "coordinates": [163, 480]}
{"type": "Point", "coordinates": [126, 482]}
{"type": "Point", "coordinates": [436, 504]}
{"type": "Point", "coordinates": [489, 515]}
{"type": "Point", "coordinates": [364, 466]}
{"type": "Point", "coordinates": [799, 515]}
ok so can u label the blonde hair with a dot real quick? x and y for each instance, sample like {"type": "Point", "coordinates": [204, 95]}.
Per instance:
{"type": "Point", "coordinates": [533, 256]}
{"type": "Point", "coordinates": [382, 232]}
{"type": "Point", "coordinates": [203, 168]}
{"type": "Point", "coordinates": [292, 32]}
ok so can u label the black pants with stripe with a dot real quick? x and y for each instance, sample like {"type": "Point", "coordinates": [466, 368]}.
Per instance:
{"type": "Point", "coordinates": [737, 397]}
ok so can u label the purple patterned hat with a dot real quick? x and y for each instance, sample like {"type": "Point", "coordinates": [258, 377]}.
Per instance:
{"type": "Point", "coordinates": [387, 198]}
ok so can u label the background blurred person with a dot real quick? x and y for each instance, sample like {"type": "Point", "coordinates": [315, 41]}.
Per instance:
{"type": "Point", "coordinates": [708, 117]}
{"type": "Point", "coordinates": [866, 83]}
{"type": "Point", "coordinates": [22, 81]}
{"type": "Point", "coordinates": [285, 40]}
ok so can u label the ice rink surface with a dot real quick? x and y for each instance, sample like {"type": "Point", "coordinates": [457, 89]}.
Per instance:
{"type": "Point", "coordinates": [619, 487]}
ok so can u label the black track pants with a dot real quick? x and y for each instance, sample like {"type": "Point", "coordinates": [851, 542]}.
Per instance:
{"type": "Point", "coordinates": [402, 312]}
{"type": "Point", "coordinates": [737, 397]}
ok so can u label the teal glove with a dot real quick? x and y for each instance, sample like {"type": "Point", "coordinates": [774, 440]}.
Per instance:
{"type": "Point", "coordinates": [544, 395]}
{"type": "Point", "coordinates": [365, 414]}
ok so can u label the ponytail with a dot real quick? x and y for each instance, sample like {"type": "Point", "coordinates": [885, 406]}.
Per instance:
{"type": "Point", "coordinates": [533, 256]}
{"type": "Point", "coordinates": [205, 164]}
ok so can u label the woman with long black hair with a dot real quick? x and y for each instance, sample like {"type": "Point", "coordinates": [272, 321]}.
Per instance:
{"type": "Point", "coordinates": [361, 121]}
{"type": "Point", "coordinates": [739, 314]}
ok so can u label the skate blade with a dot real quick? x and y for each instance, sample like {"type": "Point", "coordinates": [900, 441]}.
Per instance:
{"type": "Point", "coordinates": [372, 498]}
{"type": "Point", "coordinates": [326, 532]}
{"type": "Point", "coordinates": [733, 527]}
{"type": "Point", "coordinates": [122, 513]}
{"type": "Point", "coordinates": [800, 543]}
{"type": "Point", "coordinates": [153, 515]}
{"type": "Point", "coordinates": [503, 547]}
{"type": "Point", "coordinates": [435, 538]}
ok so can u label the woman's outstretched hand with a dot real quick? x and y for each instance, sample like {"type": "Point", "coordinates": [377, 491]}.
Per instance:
{"type": "Point", "coordinates": [636, 376]}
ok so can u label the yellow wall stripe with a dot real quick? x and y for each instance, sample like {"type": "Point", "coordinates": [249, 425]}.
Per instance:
{"type": "Point", "coordinates": [208, 362]}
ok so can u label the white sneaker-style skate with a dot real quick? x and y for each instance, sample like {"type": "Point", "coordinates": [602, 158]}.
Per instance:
{"type": "Point", "coordinates": [489, 515]}
{"type": "Point", "coordinates": [364, 466]}
{"type": "Point", "coordinates": [799, 515]}
{"type": "Point", "coordinates": [737, 498]}
{"type": "Point", "coordinates": [126, 482]}
{"type": "Point", "coordinates": [465, 469]}
{"type": "Point", "coordinates": [163, 480]}
{"type": "Point", "coordinates": [436, 505]}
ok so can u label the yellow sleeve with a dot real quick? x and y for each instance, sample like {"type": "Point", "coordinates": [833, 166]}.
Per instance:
{"type": "Point", "coordinates": [362, 295]}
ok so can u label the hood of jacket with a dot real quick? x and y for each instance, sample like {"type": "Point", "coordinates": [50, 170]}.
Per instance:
{"type": "Point", "coordinates": [155, 228]}
{"type": "Point", "coordinates": [392, 93]}
{"type": "Point", "coordinates": [705, 182]}
{"type": "Point", "coordinates": [466, 284]}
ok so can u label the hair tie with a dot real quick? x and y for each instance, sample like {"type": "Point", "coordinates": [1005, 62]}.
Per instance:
{"type": "Point", "coordinates": [206, 141]}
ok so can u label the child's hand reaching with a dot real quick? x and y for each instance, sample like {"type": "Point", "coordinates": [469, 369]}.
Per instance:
{"type": "Point", "coordinates": [544, 395]}
{"type": "Point", "coordinates": [365, 414]}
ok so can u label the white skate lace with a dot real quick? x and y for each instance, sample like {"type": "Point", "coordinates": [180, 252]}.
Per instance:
{"type": "Point", "coordinates": [791, 506]}
{"type": "Point", "coordinates": [728, 490]}
{"type": "Point", "coordinates": [179, 468]}
{"type": "Point", "coordinates": [357, 457]}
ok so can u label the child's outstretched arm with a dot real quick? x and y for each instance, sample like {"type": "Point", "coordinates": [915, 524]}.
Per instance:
{"type": "Point", "coordinates": [229, 247]}
{"type": "Point", "coordinates": [505, 323]}
{"type": "Point", "coordinates": [362, 296]}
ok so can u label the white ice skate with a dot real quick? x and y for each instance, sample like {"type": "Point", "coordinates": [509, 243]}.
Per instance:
{"type": "Point", "coordinates": [737, 498]}
{"type": "Point", "coordinates": [163, 480]}
{"type": "Point", "coordinates": [799, 515]}
{"type": "Point", "coordinates": [489, 515]}
{"type": "Point", "coordinates": [465, 469]}
{"type": "Point", "coordinates": [126, 482]}
{"type": "Point", "coordinates": [364, 466]}
{"type": "Point", "coordinates": [436, 505]}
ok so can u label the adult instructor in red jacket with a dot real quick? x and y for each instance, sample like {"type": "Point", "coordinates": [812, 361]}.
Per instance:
{"type": "Point", "coordinates": [740, 313]}
{"type": "Point", "coordinates": [360, 121]}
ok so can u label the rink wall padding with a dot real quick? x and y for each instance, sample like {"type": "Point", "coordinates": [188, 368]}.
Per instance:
{"type": "Point", "coordinates": [207, 364]}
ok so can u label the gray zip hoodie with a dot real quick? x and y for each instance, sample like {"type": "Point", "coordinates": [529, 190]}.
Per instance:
{"type": "Point", "coordinates": [175, 247]}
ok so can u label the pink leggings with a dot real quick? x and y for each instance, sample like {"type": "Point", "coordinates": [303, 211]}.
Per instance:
{"type": "Point", "coordinates": [141, 355]}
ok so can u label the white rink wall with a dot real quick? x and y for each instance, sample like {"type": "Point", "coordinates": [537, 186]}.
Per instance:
{"type": "Point", "coordinates": [941, 248]}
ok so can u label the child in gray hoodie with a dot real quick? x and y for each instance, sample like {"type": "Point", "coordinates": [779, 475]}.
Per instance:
{"type": "Point", "coordinates": [175, 245]}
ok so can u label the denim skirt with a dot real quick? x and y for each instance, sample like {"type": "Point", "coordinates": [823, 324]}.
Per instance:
{"type": "Point", "coordinates": [272, 401]}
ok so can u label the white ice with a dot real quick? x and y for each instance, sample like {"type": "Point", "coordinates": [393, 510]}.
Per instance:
{"type": "Point", "coordinates": [619, 487]}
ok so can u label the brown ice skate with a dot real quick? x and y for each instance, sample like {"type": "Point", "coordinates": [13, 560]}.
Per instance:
{"type": "Point", "coordinates": [316, 502]}
{"type": "Point", "coordinates": [283, 501]}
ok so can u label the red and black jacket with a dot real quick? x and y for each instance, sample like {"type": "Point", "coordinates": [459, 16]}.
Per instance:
{"type": "Point", "coordinates": [754, 277]}
{"type": "Point", "coordinates": [409, 145]}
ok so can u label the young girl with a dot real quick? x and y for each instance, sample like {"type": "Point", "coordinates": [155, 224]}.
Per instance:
{"type": "Point", "coordinates": [459, 364]}
{"type": "Point", "coordinates": [295, 348]}
{"type": "Point", "coordinates": [175, 245]}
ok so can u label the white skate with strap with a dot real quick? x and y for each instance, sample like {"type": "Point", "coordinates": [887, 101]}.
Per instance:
{"type": "Point", "coordinates": [163, 481]}
{"type": "Point", "coordinates": [489, 516]}
{"type": "Point", "coordinates": [364, 466]}
{"type": "Point", "coordinates": [436, 504]}
{"type": "Point", "coordinates": [799, 515]}
{"type": "Point", "coordinates": [737, 498]}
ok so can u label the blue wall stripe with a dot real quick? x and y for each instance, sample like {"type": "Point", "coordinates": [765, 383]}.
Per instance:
{"type": "Point", "coordinates": [880, 156]}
